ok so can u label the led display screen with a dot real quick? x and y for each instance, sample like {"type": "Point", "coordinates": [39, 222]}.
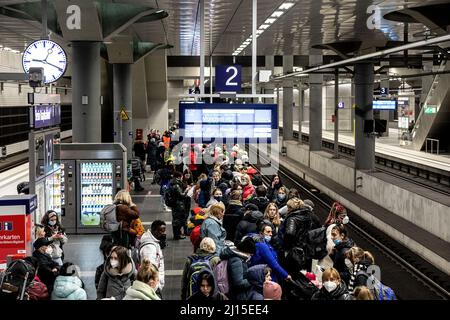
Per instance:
{"type": "Point", "coordinates": [226, 121]}
{"type": "Point", "coordinates": [384, 104]}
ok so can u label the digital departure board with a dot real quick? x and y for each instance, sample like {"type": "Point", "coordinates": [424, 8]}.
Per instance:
{"type": "Point", "coordinates": [252, 122]}
{"type": "Point", "coordinates": [384, 104]}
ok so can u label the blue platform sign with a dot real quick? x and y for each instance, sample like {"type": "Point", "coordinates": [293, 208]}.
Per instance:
{"type": "Point", "coordinates": [228, 78]}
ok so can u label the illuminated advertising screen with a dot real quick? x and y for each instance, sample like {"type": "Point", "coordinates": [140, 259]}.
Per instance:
{"type": "Point", "coordinates": [208, 122]}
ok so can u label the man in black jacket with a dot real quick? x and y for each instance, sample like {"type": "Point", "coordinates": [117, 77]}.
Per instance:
{"type": "Point", "coordinates": [47, 268]}
{"type": "Point", "coordinates": [260, 200]}
{"type": "Point", "coordinates": [179, 205]}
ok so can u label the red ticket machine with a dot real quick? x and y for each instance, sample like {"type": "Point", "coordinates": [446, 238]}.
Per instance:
{"type": "Point", "coordinates": [16, 226]}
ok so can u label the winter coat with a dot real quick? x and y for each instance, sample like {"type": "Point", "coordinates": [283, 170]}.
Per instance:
{"type": "Point", "coordinates": [160, 155]}
{"type": "Point", "coordinates": [260, 202]}
{"type": "Point", "coordinates": [204, 196]}
{"type": "Point", "coordinates": [141, 291]}
{"type": "Point", "coordinates": [126, 214]}
{"type": "Point", "coordinates": [150, 249]}
{"type": "Point", "coordinates": [152, 151]}
{"type": "Point", "coordinates": [248, 225]}
{"type": "Point", "coordinates": [139, 149]}
{"type": "Point", "coordinates": [214, 296]}
{"type": "Point", "coordinates": [212, 227]}
{"type": "Point", "coordinates": [340, 293]}
{"type": "Point", "coordinates": [45, 267]}
{"type": "Point", "coordinates": [358, 278]}
{"type": "Point", "coordinates": [199, 254]}
{"type": "Point", "coordinates": [176, 188]}
{"type": "Point", "coordinates": [237, 273]}
{"type": "Point", "coordinates": [233, 215]}
{"type": "Point", "coordinates": [266, 254]}
{"type": "Point", "coordinates": [338, 257]}
{"type": "Point", "coordinates": [272, 192]}
{"type": "Point", "coordinates": [68, 288]}
{"type": "Point", "coordinates": [247, 192]}
{"type": "Point", "coordinates": [256, 278]}
{"type": "Point", "coordinates": [294, 228]}
{"type": "Point", "coordinates": [114, 283]}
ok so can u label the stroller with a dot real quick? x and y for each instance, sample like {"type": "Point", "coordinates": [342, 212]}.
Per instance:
{"type": "Point", "coordinates": [301, 288]}
{"type": "Point", "coordinates": [15, 280]}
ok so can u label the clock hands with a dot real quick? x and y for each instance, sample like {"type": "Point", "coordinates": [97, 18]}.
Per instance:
{"type": "Point", "coordinates": [50, 64]}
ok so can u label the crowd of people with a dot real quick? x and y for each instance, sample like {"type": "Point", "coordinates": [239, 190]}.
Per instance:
{"type": "Point", "coordinates": [250, 241]}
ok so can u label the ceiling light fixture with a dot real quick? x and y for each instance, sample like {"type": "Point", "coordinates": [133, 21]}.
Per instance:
{"type": "Point", "coordinates": [282, 9]}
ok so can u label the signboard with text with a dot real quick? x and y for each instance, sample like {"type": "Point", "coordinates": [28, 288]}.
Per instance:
{"type": "Point", "coordinates": [228, 78]}
{"type": "Point", "coordinates": [45, 115]}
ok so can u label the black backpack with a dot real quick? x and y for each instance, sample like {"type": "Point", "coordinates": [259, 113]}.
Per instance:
{"type": "Point", "coordinates": [169, 196]}
{"type": "Point", "coordinates": [316, 243]}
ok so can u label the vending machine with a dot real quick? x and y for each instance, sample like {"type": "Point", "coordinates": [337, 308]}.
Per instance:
{"type": "Point", "coordinates": [16, 226]}
{"type": "Point", "coordinates": [91, 176]}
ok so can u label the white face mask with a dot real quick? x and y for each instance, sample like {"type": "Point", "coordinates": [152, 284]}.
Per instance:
{"type": "Point", "coordinates": [345, 220]}
{"type": "Point", "coordinates": [114, 263]}
{"type": "Point", "coordinates": [52, 223]}
{"type": "Point", "coordinates": [348, 263]}
{"type": "Point", "coordinates": [49, 251]}
{"type": "Point", "coordinates": [330, 285]}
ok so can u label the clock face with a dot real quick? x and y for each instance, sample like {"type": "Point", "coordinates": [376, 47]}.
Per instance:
{"type": "Point", "coordinates": [48, 55]}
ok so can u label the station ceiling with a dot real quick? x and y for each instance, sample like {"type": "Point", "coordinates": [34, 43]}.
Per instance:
{"type": "Point", "coordinates": [228, 23]}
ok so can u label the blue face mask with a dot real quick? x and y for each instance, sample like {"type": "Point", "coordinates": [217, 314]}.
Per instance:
{"type": "Point", "coordinates": [337, 241]}
{"type": "Point", "coordinates": [267, 238]}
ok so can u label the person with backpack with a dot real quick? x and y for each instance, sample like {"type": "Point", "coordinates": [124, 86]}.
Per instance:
{"type": "Point", "coordinates": [164, 177]}
{"type": "Point", "coordinates": [117, 276]}
{"type": "Point", "coordinates": [333, 288]}
{"type": "Point", "coordinates": [68, 286]}
{"type": "Point", "coordinates": [249, 223]}
{"type": "Point", "coordinates": [126, 211]}
{"type": "Point", "coordinates": [265, 253]}
{"type": "Point", "coordinates": [256, 276]}
{"type": "Point", "coordinates": [292, 236]}
{"type": "Point", "coordinates": [152, 243]}
{"type": "Point", "coordinates": [237, 258]}
{"type": "Point", "coordinates": [146, 283]}
{"type": "Point", "coordinates": [212, 226]}
{"type": "Point", "coordinates": [152, 150]}
{"type": "Point", "coordinates": [203, 258]}
{"type": "Point", "coordinates": [54, 232]}
{"type": "Point", "coordinates": [233, 214]}
{"type": "Point", "coordinates": [176, 200]}
{"type": "Point", "coordinates": [48, 269]}
{"type": "Point", "coordinates": [207, 289]}
{"type": "Point", "coordinates": [342, 243]}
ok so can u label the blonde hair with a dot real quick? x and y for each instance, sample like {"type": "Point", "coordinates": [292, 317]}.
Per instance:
{"type": "Point", "coordinates": [276, 220]}
{"type": "Point", "coordinates": [330, 273]}
{"type": "Point", "coordinates": [216, 209]}
{"type": "Point", "coordinates": [123, 197]}
{"type": "Point", "coordinates": [147, 272]}
{"type": "Point", "coordinates": [294, 203]}
{"type": "Point", "coordinates": [37, 230]}
{"type": "Point", "coordinates": [356, 254]}
{"type": "Point", "coordinates": [208, 245]}
{"type": "Point", "coordinates": [363, 293]}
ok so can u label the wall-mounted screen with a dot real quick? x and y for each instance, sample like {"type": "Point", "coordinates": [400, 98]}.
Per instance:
{"type": "Point", "coordinates": [208, 122]}
{"type": "Point", "coordinates": [384, 104]}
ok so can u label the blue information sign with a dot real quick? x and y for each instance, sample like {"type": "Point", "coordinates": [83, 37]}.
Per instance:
{"type": "Point", "coordinates": [228, 78]}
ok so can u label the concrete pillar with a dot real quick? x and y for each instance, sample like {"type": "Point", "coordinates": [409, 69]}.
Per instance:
{"type": "Point", "coordinates": [123, 99]}
{"type": "Point", "coordinates": [364, 144]}
{"type": "Point", "coordinates": [385, 114]}
{"type": "Point", "coordinates": [288, 99]}
{"type": "Point", "coordinates": [315, 105]}
{"type": "Point", "coordinates": [301, 105]}
{"type": "Point", "coordinates": [86, 109]}
{"type": "Point", "coordinates": [269, 87]}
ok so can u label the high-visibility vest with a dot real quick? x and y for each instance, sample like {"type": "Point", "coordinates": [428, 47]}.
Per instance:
{"type": "Point", "coordinates": [166, 141]}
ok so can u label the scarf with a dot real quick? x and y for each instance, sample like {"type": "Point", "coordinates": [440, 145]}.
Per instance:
{"type": "Point", "coordinates": [357, 268]}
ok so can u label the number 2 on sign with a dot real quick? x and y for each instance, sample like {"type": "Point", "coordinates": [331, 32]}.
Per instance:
{"type": "Point", "coordinates": [235, 72]}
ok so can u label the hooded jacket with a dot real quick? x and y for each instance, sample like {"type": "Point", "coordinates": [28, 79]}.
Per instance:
{"type": "Point", "coordinates": [214, 296]}
{"type": "Point", "coordinates": [151, 250]}
{"type": "Point", "coordinates": [141, 291]}
{"type": "Point", "coordinates": [114, 283]}
{"type": "Point", "coordinates": [338, 258]}
{"type": "Point", "coordinates": [233, 215]}
{"type": "Point", "coordinates": [237, 272]}
{"type": "Point", "coordinates": [199, 254]}
{"type": "Point", "coordinates": [256, 278]}
{"type": "Point", "coordinates": [266, 254]}
{"type": "Point", "coordinates": [212, 227]}
{"type": "Point", "coordinates": [340, 293]}
{"type": "Point", "coordinates": [294, 227]}
{"type": "Point", "coordinates": [260, 202]}
{"type": "Point", "coordinates": [248, 225]}
{"type": "Point", "coordinates": [68, 288]}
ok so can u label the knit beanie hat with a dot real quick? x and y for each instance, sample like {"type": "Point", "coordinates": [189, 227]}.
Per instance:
{"type": "Point", "coordinates": [272, 290]}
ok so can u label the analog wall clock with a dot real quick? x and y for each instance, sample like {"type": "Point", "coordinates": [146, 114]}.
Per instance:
{"type": "Point", "coordinates": [48, 55]}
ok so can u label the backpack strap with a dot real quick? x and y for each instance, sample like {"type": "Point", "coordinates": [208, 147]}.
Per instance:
{"type": "Point", "coordinates": [146, 244]}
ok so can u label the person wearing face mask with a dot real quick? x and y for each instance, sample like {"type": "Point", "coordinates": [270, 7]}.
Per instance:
{"type": "Point", "coordinates": [342, 243]}
{"type": "Point", "coordinates": [266, 254]}
{"type": "Point", "coordinates": [338, 214]}
{"type": "Point", "coordinates": [48, 269]}
{"type": "Point", "coordinates": [54, 232]}
{"type": "Point", "coordinates": [282, 197]}
{"type": "Point", "coordinates": [238, 257]}
{"type": "Point", "coordinates": [333, 288]}
{"type": "Point", "coordinates": [357, 262]}
{"type": "Point", "coordinates": [216, 197]}
{"type": "Point", "coordinates": [152, 243]}
{"type": "Point", "coordinates": [273, 188]}
{"type": "Point", "coordinates": [146, 283]}
{"type": "Point", "coordinates": [117, 275]}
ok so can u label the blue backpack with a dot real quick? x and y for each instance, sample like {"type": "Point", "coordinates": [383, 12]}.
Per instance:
{"type": "Point", "coordinates": [379, 290]}
{"type": "Point", "coordinates": [198, 265]}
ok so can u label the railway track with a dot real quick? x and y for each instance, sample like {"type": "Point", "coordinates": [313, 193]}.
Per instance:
{"type": "Point", "coordinates": [410, 276]}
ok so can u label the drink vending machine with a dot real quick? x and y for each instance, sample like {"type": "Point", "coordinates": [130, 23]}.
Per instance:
{"type": "Point", "coordinates": [91, 176]}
